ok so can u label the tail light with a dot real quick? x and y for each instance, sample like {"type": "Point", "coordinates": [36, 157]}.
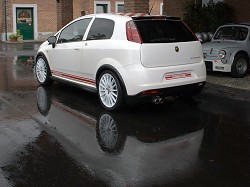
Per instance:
{"type": "Point", "coordinates": [132, 33]}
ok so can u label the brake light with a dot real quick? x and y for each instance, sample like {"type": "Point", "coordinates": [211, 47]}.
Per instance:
{"type": "Point", "coordinates": [132, 33]}
{"type": "Point", "coordinates": [150, 92]}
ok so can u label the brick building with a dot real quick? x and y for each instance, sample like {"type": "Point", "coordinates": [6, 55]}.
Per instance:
{"type": "Point", "coordinates": [36, 19]}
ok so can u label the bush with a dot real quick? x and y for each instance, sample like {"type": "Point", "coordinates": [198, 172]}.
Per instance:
{"type": "Point", "coordinates": [15, 36]}
{"type": "Point", "coordinates": [207, 18]}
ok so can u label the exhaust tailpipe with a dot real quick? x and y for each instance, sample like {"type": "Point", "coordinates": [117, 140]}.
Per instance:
{"type": "Point", "coordinates": [157, 100]}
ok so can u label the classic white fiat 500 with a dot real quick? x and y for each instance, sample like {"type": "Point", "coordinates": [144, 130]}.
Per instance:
{"type": "Point", "coordinates": [124, 59]}
{"type": "Point", "coordinates": [229, 50]}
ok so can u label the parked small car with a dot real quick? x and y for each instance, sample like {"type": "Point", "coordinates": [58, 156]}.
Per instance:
{"type": "Point", "coordinates": [229, 50]}
{"type": "Point", "coordinates": [124, 59]}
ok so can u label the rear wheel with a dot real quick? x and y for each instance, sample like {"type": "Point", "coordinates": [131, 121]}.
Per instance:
{"type": "Point", "coordinates": [240, 66]}
{"type": "Point", "coordinates": [42, 71]}
{"type": "Point", "coordinates": [110, 91]}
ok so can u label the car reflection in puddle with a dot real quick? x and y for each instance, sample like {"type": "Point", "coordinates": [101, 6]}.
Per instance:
{"type": "Point", "coordinates": [23, 67]}
{"type": "Point", "coordinates": [137, 146]}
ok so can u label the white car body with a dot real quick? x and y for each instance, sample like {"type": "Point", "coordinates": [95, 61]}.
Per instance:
{"type": "Point", "coordinates": [231, 46]}
{"type": "Point", "coordinates": [139, 66]}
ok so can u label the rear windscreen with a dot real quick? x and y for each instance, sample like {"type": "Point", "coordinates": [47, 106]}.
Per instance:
{"type": "Point", "coordinates": [164, 31]}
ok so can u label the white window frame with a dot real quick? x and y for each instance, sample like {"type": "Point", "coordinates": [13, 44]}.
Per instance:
{"type": "Point", "coordinates": [34, 6]}
{"type": "Point", "coordinates": [161, 8]}
{"type": "Point", "coordinates": [102, 2]}
{"type": "Point", "coordinates": [116, 5]}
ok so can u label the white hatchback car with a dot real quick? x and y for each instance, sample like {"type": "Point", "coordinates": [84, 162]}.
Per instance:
{"type": "Point", "coordinates": [124, 59]}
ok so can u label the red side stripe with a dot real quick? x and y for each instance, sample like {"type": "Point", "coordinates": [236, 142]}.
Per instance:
{"type": "Point", "coordinates": [73, 77]}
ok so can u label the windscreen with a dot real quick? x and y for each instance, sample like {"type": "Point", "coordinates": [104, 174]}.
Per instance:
{"type": "Point", "coordinates": [231, 33]}
{"type": "Point", "coordinates": [164, 31]}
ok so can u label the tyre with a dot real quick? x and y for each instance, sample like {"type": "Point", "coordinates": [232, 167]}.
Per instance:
{"type": "Point", "coordinates": [240, 66]}
{"type": "Point", "coordinates": [42, 71]}
{"type": "Point", "coordinates": [110, 136]}
{"type": "Point", "coordinates": [110, 91]}
{"type": "Point", "coordinates": [43, 99]}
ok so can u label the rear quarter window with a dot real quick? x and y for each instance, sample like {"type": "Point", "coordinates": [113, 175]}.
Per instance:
{"type": "Point", "coordinates": [101, 29]}
{"type": "Point", "coordinates": [164, 31]}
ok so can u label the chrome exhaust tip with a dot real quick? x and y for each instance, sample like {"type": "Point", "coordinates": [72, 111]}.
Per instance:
{"type": "Point", "coordinates": [157, 100]}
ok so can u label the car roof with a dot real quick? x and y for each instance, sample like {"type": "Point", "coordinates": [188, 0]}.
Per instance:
{"type": "Point", "coordinates": [129, 16]}
{"type": "Point", "coordinates": [236, 25]}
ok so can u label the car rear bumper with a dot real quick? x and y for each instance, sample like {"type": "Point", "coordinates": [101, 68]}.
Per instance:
{"type": "Point", "coordinates": [184, 90]}
{"type": "Point", "coordinates": [138, 79]}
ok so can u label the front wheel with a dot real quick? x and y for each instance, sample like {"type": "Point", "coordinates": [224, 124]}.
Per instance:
{"type": "Point", "coordinates": [240, 66]}
{"type": "Point", "coordinates": [110, 91]}
{"type": "Point", "coordinates": [42, 71]}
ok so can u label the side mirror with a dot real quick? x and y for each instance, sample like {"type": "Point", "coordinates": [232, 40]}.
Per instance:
{"type": "Point", "coordinates": [52, 40]}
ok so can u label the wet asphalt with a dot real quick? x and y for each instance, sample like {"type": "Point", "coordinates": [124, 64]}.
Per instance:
{"type": "Point", "coordinates": [61, 136]}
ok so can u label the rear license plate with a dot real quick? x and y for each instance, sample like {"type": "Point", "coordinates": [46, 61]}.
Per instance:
{"type": "Point", "coordinates": [178, 75]}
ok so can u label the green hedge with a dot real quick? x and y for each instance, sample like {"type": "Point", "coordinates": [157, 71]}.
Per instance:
{"type": "Point", "coordinates": [206, 18]}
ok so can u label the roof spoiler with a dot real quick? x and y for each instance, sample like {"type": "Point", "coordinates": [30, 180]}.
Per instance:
{"type": "Point", "coordinates": [148, 17]}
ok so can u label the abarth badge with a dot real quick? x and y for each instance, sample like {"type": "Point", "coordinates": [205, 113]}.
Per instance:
{"type": "Point", "coordinates": [177, 49]}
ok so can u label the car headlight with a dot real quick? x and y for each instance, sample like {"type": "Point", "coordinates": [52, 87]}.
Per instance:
{"type": "Point", "coordinates": [224, 61]}
{"type": "Point", "coordinates": [222, 54]}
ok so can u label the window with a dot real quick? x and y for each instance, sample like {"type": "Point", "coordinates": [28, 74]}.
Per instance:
{"type": "Point", "coordinates": [119, 7]}
{"type": "Point", "coordinates": [231, 33]}
{"type": "Point", "coordinates": [101, 29]}
{"type": "Point", "coordinates": [74, 32]}
{"type": "Point", "coordinates": [102, 7]}
{"type": "Point", "coordinates": [161, 8]}
{"type": "Point", "coordinates": [164, 31]}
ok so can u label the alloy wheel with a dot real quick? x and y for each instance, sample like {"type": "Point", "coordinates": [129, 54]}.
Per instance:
{"type": "Point", "coordinates": [108, 90]}
{"type": "Point", "coordinates": [41, 70]}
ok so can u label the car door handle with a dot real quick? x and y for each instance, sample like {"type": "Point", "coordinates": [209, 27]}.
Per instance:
{"type": "Point", "coordinates": [77, 49]}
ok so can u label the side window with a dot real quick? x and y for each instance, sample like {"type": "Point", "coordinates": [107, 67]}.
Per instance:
{"type": "Point", "coordinates": [74, 32]}
{"type": "Point", "coordinates": [101, 29]}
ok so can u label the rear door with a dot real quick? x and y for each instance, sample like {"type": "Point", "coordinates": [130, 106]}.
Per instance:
{"type": "Point", "coordinates": [167, 43]}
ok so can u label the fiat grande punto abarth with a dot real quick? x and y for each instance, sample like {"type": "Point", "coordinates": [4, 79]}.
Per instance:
{"type": "Point", "coordinates": [124, 59]}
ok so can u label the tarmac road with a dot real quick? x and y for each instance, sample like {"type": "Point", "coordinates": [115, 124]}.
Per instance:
{"type": "Point", "coordinates": [61, 136]}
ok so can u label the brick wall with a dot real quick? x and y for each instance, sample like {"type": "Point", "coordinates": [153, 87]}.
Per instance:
{"type": "Point", "coordinates": [155, 6]}
{"type": "Point", "coordinates": [1, 17]}
{"type": "Point", "coordinates": [9, 15]}
{"type": "Point", "coordinates": [77, 8]}
{"type": "Point", "coordinates": [67, 11]}
{"type": "Point", "coordinates": [136, 6]}
{"type": "Point", "coordinates": [46, 14]}
{"type": "Point", "coordinates": [240, 10]}
{"type": "Point", "coordinates": [88, 5]}
{"type": "Point", "coordinates": [64, 10]}
{"type": "Point", "coordinates": [54, 14]}
{"type": "Point", "coordinates": [174, 8]}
